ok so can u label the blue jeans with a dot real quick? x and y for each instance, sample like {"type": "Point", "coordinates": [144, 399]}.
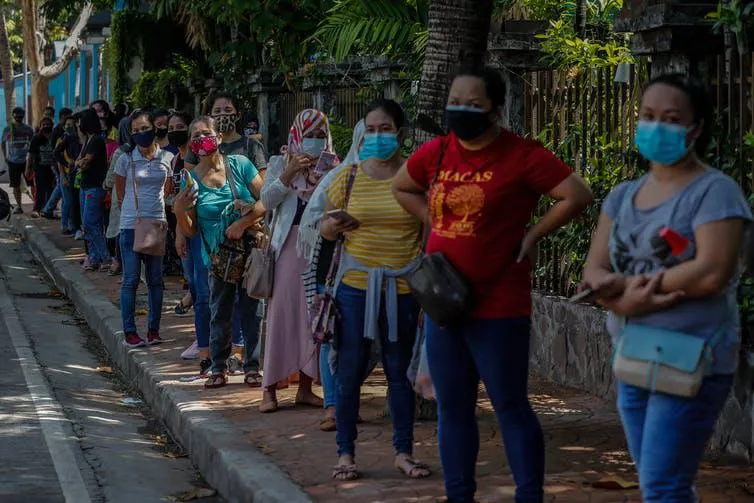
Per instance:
{"type": "Point", "coordinates": [131, 263]}
{"type": "Point", "coordinates": [222, 298]}
{"type": "Point", "coordinates": [238, 339]}
{"type": "Point", "coordinates": [197, 276]}
{"type": "Point", "coordinates": [57, 193]}
{"type": "Point", "coordinates": [497, 350]}
{"type": "Point", "coordinates": [353, 358]}
{"type": "Point", "coordinates": [667, 436]}
{"type": "Point", "coordinates": [93, 217]}
{"type": "Point", "coordinates": [66, 210]}
{"type": "Point", "coordinates": [329, 380]}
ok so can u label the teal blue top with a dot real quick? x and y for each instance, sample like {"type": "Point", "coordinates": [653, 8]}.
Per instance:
{"type": "Point", "coordinates": [214, 206]}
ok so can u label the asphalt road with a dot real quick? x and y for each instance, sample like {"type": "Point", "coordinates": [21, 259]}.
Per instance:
{"type": "Point", "coordinates": [65, 432]}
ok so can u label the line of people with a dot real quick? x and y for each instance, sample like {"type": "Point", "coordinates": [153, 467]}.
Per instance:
{"type": "Point", "coordinates": [347, 234]}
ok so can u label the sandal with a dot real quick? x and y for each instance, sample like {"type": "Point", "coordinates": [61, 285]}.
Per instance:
{"type": "Point", "coordinates": [328, 424]}
{"type": "Point", "coordinates": [216, 381]}
{"type": "Point", "coordinates": [253, 380]}
{"type": "Point", "coordinates": [268, 407]}
{"type": "Point", "coordinates": [416, 470]}
{"type": "Point", "coordinates": [345, 473]}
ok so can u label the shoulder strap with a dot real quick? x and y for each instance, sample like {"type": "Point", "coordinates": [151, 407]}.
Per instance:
{"type": "Point", "coordinates": [230, 177]}
{"type": "Point", "coordinates": [338, 252]}
{"type": "Point", "coordinates": [349, 184]}
{"type": "Point", "coordinates": [426, 231]}
{"type": "Point", "coordinates": [133, 181]}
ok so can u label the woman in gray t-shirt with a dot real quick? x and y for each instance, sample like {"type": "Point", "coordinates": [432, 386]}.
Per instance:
{"type": "Point", "coordinates": [665, 255]}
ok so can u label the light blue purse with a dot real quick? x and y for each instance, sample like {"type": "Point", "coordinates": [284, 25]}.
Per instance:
{"type": "Point", "coordinates": [660, 360]}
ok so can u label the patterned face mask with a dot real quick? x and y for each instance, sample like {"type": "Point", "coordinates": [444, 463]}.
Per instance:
{"type": "Point", "coordinates": [204, 145]}
{"type": "Point", "coordinates": [225, 122]}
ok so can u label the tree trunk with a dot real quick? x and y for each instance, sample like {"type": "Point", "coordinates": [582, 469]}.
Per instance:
{"type": "Point", "coordinates": [458, 29]}
{"type": "Point", "coordinates": [6, 67]}
{"type": "Point", "coordinates": [42, 75]}
{"type": "Point", "coordinates": [580, 18]}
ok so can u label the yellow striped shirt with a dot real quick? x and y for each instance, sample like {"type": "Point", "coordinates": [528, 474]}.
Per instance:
{"type": "Point", "coordinates": [387, 237]}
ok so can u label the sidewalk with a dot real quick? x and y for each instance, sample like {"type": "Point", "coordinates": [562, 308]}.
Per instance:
{"type": "Point", "coordinates": [284, 457]}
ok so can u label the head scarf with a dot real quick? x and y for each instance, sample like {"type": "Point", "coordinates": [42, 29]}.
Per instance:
{"type": "Point", "coordinates": [306, 122]}
{"type": "Point", "coordinates": [308, 231]}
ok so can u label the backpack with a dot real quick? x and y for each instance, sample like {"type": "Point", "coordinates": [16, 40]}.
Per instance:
{"type": "Point", "coordinates": [5, 205]}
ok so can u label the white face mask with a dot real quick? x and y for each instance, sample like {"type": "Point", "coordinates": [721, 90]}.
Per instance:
{"type": "Point", "coordinates": [314, 146]}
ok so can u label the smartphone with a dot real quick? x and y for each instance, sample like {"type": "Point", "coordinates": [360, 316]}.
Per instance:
{"type": "Point", "coordinates": [584, 295]}
{"type": "Point", "coordinates": [177, 182]}
{"type": "Point", "coordinates": [340, 215]}
{"type": "Point", "coordinates": [325, 162]}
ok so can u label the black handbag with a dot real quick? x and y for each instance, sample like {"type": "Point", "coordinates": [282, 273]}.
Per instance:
{"type": "Point", "coordinates": [441, 291]}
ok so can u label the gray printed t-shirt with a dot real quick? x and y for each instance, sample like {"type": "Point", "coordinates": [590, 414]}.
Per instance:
{"type": "Point", "coordinates": [150, 180]}
{"type": "Point", "coordinates": [636, 248]}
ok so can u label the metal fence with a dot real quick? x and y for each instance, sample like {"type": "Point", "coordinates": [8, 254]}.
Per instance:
{"type": "Point", "coordinates": [589, 120]}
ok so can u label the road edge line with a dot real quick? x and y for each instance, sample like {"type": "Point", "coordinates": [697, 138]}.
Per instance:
{"type": "Point", "coordinates": [239, 473]}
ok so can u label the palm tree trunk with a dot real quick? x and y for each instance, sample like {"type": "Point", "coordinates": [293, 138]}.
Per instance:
{"type": "Point", "coordinates": [458, 29]}
{"type": "Point", "coordinates": [6, 67]}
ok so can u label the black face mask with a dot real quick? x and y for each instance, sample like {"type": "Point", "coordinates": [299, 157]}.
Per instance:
{"type": "Point", "coordinates": [18, 118]}
{"type": "Point", "coordinates": [161, 132]}
{"type": "Point", "coordinates": [47, 129]}
{"type": "Point", "coordinates": [467, 123]}
{"type": "Point", "coordinates": [178, 138]}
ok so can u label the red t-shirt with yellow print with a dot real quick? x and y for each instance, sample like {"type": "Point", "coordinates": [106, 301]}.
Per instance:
{"type": "Point", "coordinates": [481, 204]}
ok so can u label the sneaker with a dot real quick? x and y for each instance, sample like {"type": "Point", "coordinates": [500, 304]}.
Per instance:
{"type": "Point", "coordinates": [204, 367]}
{"type": "Point", "coordinates": [34, 214]}
{"type": "Point", "coordinates": [79, 236]}
{"type": "Point", "coordinates": [68, 232]}
{"type": "Point", "coordinates": [182, 310]}
{"type": "Point", "coordinates": [191, 352]}
{"type": "Point", "coordinates": [18, 210]}
{"type": "Point", "coordinates": [134, 341]}
{"type": "Point", "coordinates": [235, 366]}
{"type": "Point", "coordinates": [89, 266]}
{"type": "Point", "coordinates": [153, 338]}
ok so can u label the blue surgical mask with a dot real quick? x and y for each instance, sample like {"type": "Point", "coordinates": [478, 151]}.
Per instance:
{"type": "Point", "coordinates": [314, 147]}
{"type": "Point", "coordinates": [661, 142]}
{"type": "Point", "coordinates": [382, 146]}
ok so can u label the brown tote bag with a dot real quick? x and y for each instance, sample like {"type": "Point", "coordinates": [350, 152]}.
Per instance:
{"type": "Point", "coordinates": [150, 234]}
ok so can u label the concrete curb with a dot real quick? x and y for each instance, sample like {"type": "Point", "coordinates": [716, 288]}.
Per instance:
{"type": "Point", "coordinates": [239, 473]}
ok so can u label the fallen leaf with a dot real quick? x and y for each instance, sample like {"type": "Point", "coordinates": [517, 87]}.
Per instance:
{"type": "Point", "coordinates": [174, 455]}
{"type": "Point", "coordinates": [105, 370]}
{"type": "Point", "coordinates": [194, 494]}
{"type": "Point", "coordinates": [141, 312]}
{"type": "Point", "coordinates": [55, 293]}
{"type": "Point", "coordinates": [615, 483]}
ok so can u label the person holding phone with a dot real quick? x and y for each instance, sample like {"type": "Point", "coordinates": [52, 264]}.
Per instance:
{"type": "Point", "coordinates": [289, 185]}
{"type": "Point", "coordinates": [382, 242]}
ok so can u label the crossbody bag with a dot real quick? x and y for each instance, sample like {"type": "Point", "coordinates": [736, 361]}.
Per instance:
{"type": "Point", "coordinates": [150, 234]}
{"type": "Point", "coordinates": [229, 261]}
{"type": "Point", "coordinates": [657, 359]}
{"type": "Point", "coordinates": [323, 312]}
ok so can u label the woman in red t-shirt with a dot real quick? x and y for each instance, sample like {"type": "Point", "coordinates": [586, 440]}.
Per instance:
{"type": "Point", "coordinates": [477, 189]}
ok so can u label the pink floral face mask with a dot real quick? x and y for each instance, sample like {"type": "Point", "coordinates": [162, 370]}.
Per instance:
{"type": "Point", "coordinates": [204, 145]}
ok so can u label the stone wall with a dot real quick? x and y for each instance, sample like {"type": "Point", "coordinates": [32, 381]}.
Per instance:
{"type": "Point", "coordinates": [571, 347]}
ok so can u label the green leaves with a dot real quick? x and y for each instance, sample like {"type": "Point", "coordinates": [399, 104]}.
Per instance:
{"type": "Point", "coordinates": [564, 50]}
{"type": "Point", "coordinates": [375, 28]}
